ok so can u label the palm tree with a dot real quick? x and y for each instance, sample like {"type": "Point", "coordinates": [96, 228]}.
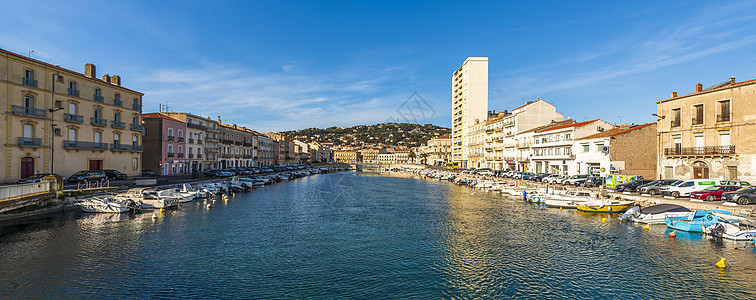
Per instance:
{"type": "Point", "coordinates": [424, 158]}
{"type": "Point", "coordinates": [412, 156]}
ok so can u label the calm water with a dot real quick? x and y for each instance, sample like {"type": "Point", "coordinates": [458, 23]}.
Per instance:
{"type": "Point", "coordinates": [347, 236]}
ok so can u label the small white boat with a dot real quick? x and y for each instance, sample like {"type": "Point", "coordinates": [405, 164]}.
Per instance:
{"type": "Point", "coordinates": [107, 205]}
{"type": "Point", "coordinates": [655, 214]}
{"type": "Point", "coordinates": [730, 231]}
{"type": "Point", "coordinates": [570, 199]}
{"type": "Point", "coordinates": [173, 194]}
{"type": "Point", "coordinates": [148, 198]}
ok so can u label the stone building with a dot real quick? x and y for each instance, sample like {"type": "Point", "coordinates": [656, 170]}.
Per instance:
{"type": "Point", "coordinates": [629, 149]}
{"type": "Point", "coordinates": [438, 151]}
{"type": "Point", "coordinates": [61, 121]}
{"type": "Point", "coordinates": [709, 133]}
{"type": "Point", "coordinates": [347, 156]}
{"type": "Point", "coordinates": [165, 145]}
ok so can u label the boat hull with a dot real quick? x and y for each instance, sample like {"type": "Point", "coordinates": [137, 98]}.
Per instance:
{"type": "Point", "coordinates": [609, 208]}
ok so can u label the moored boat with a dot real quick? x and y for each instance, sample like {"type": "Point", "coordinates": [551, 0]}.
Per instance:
{"type": "Point", "coordinates": [107, 205]}
{"type": "Point", "coordinates": [148, 198]}
{"type": "Point", "coordinates": [696, 222]}
{"type": "Point", "coordinates": [605, 206]}
{"type": "Point", "coordinates": [654, 214]}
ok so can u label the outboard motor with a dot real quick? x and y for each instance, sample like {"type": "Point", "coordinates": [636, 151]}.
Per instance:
{"type": "Point", "coordinates": [632, 212]}
{"type": "Point", "coordinates": [717, 230]}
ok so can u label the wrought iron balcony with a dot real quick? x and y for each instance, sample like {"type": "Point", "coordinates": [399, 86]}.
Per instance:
{"type": "Point", "coordinates": [98, 122]}
{"type": "Point", "coordinates": [196, 126]}
{"type": "Point", "coordinates": [181, 139]}
{"type": "Point", "coordinates": [29, 111]}
{"type": "Point", "coordinates": [170, 154]}
{"type": "Point", "coordinates": [69, 144]}
{"type": "Point", "coordinates": [199, 155]}
{"type": "Point", "coordinates": [696, 121]}
{"type": "Point", "coordinates": [674, 123]}
{"type": "Point", "coordinates": [724, 117]}
{"type": "Point", "coordinates": [191, 140]}
{"type": "Point", "coordinates": [99, 98]}
{"type": "Point", "coordinates": [199, 142]}
{"type": "Point", "coordinates": [118, 102]}
{"type": "Point", "coordinates": [30, 82]}
{"type": "Point", "coordinates": [701, 151]}
{"type": "Point", "coordinates": [136, 127]}
{"type": "Point", "coordinates": [125, 147]}
{"type": "Point", "coordinates": [190, 155]}
{"type": "Point", "coordinates": [136, 107]}
{"type": "Point", "coordinates": [211, 149]}
{"type": "Point", "coordinates": [116, 124]}
{"type": "Point", "coordinates": [73, 92]}
{"type": "Point", "coordinates": [170, 138]}
{"type": "Point", "coordinates": [73, 118]}
{"type": "Point", "coordinates": [180, 154]}
{"type": "Point", "coordinates": [25, 141]}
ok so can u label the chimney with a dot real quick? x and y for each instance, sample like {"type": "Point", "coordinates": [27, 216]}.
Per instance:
{"type": "Point", "coordinates": [116, 80]}
{"type": "Point", "coordinates": [106, 78]}
{"type": "Point", "coordinates": [732, 80]}
{"type": "Point", "coordinates": [674, 95]}
{"type": "Point", "coordinates": [699, 87]}
{"type": "Point", "coordinates": [90, 71]}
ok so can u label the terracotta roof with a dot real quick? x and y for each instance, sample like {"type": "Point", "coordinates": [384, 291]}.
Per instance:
{"type": "Point", "coordinates": [728, 86]}
{"type": "Point", "coordinates": [616, 131]}
{"type": "Point", "coordinates": [65, 70]}
{"type": "Point", "coordinates": [568, 125]}
{"type": "Point", "coordinates": [158, 115]}
{"type": "Point", "coordinates": [446, 136]}
{"type": "Point", "coordinates": [557, 123]}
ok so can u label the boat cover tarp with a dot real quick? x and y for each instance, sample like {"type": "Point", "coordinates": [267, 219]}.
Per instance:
{"type": "Point", "coordinates": [662, 208]}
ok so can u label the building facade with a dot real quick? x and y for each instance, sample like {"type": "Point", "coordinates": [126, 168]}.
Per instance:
{"type": "Point", "coordinates": [627, 150]}
{"type": "Point", "coordinates": [439, 150]}
{"type": "Point", "coordinates": [551, 148]}
{"type": "Point", "coordinates": [708, 133]}
{"type": "Point", "coordinates": [61, 121]}
{"type": "Point", "coordinates": [469, 103]}
{"type": "Point", "coordinates": [199, 128]}
{"type": "Point", "coordinates": [475, 146]}
{"type": "Point", "coordinates": [165, 144]}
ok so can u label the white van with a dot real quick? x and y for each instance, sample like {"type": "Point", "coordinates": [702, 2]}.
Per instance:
{"type": "Point", "coordinates": [684, 188]}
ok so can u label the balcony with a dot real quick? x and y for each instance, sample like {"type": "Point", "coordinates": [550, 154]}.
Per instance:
{"type": "Point", "coordinates": [674, 123]}
{"type": "Point", "coordinates": [118, 125]}
{"type": "Point", "coordinates": [247, 156]}
{"type": "Point", "coordinates": [33, 142]}
{"type": "Point", "coordinates": [73, 92]}
{"type": "Point", "coordinates": [181, 155]}
{"type": "Point", "coordinates": [225, 141]}
{"type": "Point", "coordinates": [170, 138]}
{"type": "Point", "coordinates": [136, 107]}
{"type": "Point", "coordinates": [190, 155]}
{"type": "Point", "coordinates": [199, 142]}
{"type": "Point", "coordinates": [99, 98]}
{"type": "Point", "coordinates": [196, 126]}
{"type": "Point", "coordinates": [227, 155]}
{"type": "Point", "coordinates": [725, 117]}
{"type": "Point", "coordinates": [696, 121]}
{"type": "Point", "coordinates": [136, 127]}
{"type": "Point", "coordinates": [170, 154]}
{"type": "Point", "coordinates": [124, 147]}
{"type": "Point", "coordinates": [211, 149]}
{"type": "Point", "coordinates": [701, 151]}
{"type": "Point", "coordinates": [199, 155]}
{"type": "Point", "coordinates": [73, 118]}
{"type": "Point", "coordinates": [29, 111]}
{"type": "Point", "coordinates": [98, 122]}
{"type": "Point", "coordinates": [118, 102]}
{"type": "Point", "coordinates": [30, 82]}
{"type": "Point", "coordinates": [181, 139]}
{"type": "Point", "coordinates": [191, 140]}
{"type": "Point", "coordinates": [68, 144]}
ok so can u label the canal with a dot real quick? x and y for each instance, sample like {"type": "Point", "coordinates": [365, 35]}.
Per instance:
{"type": "Point", "coordinates": [348, 236]}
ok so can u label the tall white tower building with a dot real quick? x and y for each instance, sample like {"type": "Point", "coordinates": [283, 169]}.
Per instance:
{"type": "Point", "coordinates": [469, 103]}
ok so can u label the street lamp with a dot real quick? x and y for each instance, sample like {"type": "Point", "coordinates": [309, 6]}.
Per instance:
{"type": "Point", "coordinates": [52, 136]}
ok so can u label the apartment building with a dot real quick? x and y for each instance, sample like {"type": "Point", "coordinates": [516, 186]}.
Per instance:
{"type": "Point", "coordinates": [347, 156]}
{"type": "Point", "coordinates": [265, 152]}
{"type": "Point", "coordinates": [370, 155]}
{"type": "Point", "coordinates": [475, 147]}
{"type": "Point", "coordinates": [629, 149]}
{"type": "Point", "coordinates": [551, 148]}
{"type": "Point", "coordinates": [439, 150]}
{"type": "Point", "coordinates": [708, 133]}
{"type": "Point", "coordinates": [165, 144]}
{"type": "Point", "coordinates": [524, 139]}
{"type": "Point", "coordinates": [286, 152]}
{"type": "Point", "coordinates": [469, 103]}
{"type": "Point", "coordinates": [237, 146]}
{"type": "Point", "coordinates": [201, 140]}
{"type": "Point", "coordinates": [61, 121]}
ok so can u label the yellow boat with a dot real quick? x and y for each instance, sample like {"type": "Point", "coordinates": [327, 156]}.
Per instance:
{"type": "Point", "coordinates": [605, 206]}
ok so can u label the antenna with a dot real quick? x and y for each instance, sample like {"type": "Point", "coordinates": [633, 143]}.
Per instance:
{"type": "Point", "coordinates": [30, 52]}
{"type": "Point", "coordinates": [620, 119]}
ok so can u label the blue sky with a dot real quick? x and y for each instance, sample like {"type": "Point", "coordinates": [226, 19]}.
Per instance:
{"type": "Point", "coordinates": [280, 65]}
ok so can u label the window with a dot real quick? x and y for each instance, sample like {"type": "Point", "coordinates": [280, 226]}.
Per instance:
{"type": "Point", "coordinates": [677, 142]}
{"type": "Point", "coordinates": [180, 149]}
{"type": "Point", "coordinates": [117, 117]}
{"type": "Point", "coordinates": [135, 164]}
{"type": "Point", "coordinates": [116, 138]}
{"type": "Point", "coordinates": [98, 92]}
{"type": "Point", "coordinates": [180, 133]}
{"type": "Point", "coordinates": [586, 148]}
{"type": "Point", "coordinates": [72, 85]}
{"type": "Point", "coordinates": [29, 74]}
{"type": "Point", "coordinates": [724, 138]}
{"type": "Point", "coordinates": [675, 118]}
{"type": "Point", "coordinates": [72, 108]}
{"type": "Point", "coordinates": [699, 137]}
{"type": "Point", "coordinates": [134, 140]}
{"type": "Point", "coordinates": [117, 97]}
{"type": "Point", "coordinates": [97, 137]}
{"type": "Point", "coordinates": [170, 149]}
{"type": "Point", "coordinates": [724, 111]}
{"type": "Point", "coordinates": [71, 134]}
{"type": "Point", "coordinates": [28, 102]}
{"type": "Point", "coordinates": [58, 104]}
{"type": "Point", "coordinates": [170, 132]}
{"type": "Point", "coordinates": [98, 114]}
{"type": "Point", "coordinates": [599, 147]}
{"type": "Point", "coordinates": [135, 119]}
{"type": "Point", "coordinates": [697, 114]}
{"type": "Point", "coordinates": [28, 131]}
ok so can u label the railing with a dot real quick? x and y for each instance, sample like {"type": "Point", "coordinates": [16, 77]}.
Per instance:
{"type": "Point", "coordinates": [170, 154]}
{"type": "Point", "coordinates": [136, 107]}
{"type": "Point", "coordinates": [68, 144]}
{"type": "Point", "coordinates": [116, 124]}
{"type": "Point", "coordinates": [723, 117]}
{"type": "Point", "coordinates": [29, 111]}
{"type": "Point", "coordinates": [199, 155]}
{"type": "Point", "coordinates": [73, 118]}
{"type": "Point", "coordinates": [181, 154]}
{"type": "Point", "coordinates": [137, 127]}
{"type": "Point", "coordinates": [190, 155]}
{"type": "Point", "coordinates": [25, 141]}
{"type": "Point", "coordinates": [227, 155]}
{"type": "Point", "coordinates": [211, 140]}
{"type": "Point", "coordinates": [118, 102]}
{"type": "Point", "coordinates": [211, 149]}
{"type": "Point", "coordinates": [674, 123]}
{"type": "Point", "coordinates": [30, 82]}
{"type": "Point", "coordinates": [20, 190]}
{"type": "Point", "coordinates": [73, 92]}
{"type": "Point", "coordinates": [696, 121]}
{"type": "Point", "coordinates": [99, 98]}
{"type": "Point", "coordinates": [706, 150]}
{"type": "Point", "coordinates": [191, 140]}
{"type": "Point", "coordinates": [181, 139]}
{"type": "Point", "coordinates": [226, 141]}
{"type": "Point", "coordinates": [126, 147]}
{"type": "Point", "coordinates": [170, 138]}
{"type": "Point", "coordinates": [199, 142]}
{"type": "Point", "coordinates": [98, 122]}
{"type": "Point", "coordinates": [196, 126]}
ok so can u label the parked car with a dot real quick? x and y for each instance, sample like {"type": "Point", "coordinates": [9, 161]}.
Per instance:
{"type": "Point", "coordinates": [148, 173]}
{"type": "Point", "coordinates": [526, 176]}
{"type": "Point", "coordinates": [631, 186]}
{"type": "Point", "coordinates": [654, 188]}
{"type": "Point", "coordinates": [743, 196]}
{"type": "Point", "coordinates": [548, 179]}
{"type": "Point", "coordinates": [713, 193]}
{"type": "Point", "coordinates": [538, 177]}
{"type": "Point", "coordinates": [683, 189]}
{"type": "Point", "coordinates": [37, 177]}
{"type": "Point", "coordinates": [573, 178]}
{"type": "Point", "coordinates": [87, 175]}
{"type": "Point", "coordinates": [114, 175]}
{"type": "Point", "coordinates": [595, 181]}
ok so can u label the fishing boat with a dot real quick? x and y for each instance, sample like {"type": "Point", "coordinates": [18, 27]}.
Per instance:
{"type": "Point", "coordinates": [570, 199]}
{"type": "Point", "coordinates": [148, 197]}
{"type": "Point", "coordinates": [604, 206]}
{"type": "Point", "coordinates": [107, 205]}
{"type": "Point", "coordinates": [696, 222]}
{"type": "Point", "coordinates": [654, 214]}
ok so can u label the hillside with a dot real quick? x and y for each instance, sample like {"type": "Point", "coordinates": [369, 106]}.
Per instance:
{"type": "Point", "coordinates": [389, 134]}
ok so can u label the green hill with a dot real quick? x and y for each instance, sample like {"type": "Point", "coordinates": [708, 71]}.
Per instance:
{"type": "Point", "coordinates": [389, 134]}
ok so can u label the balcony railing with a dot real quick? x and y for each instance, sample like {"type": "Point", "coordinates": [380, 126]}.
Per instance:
{"type": "Point", "coordinates": [190, 155]}
{"type": "Point", "coordinates": [30, 82]}
{"type": "Point", "coordinates": [199, 155]}
{"type": "Point", "coordinates": [180, 154]}
{"type": "Point", "coordinates": [98, 122]}
{"type": "Point", "coordinates": [196, 126]}
{"type": "Point", "coordinates": [29, 111]}
{"type": "Point", "coordinates": [211, 149]}
{"type": "Point", "coordinates": [116, 124]}
{"type": "Point", "coordinates": [170, 154]}
{"type": "Point", "coordinates": [181, 139]}
{"type": "Point", "coordinates": [675, 123]}
{"type": "Point", "coordinates": [725, 117]}
{"type": "Point", "coordinates": [199, 142]}
{"type": "Point", "coordinates": [99, 98]}
{"type": "Point", "coordinates": [73, 92]}
{"type": "Point", "coordinates": [227, 155]}
{"type": "Point", "coordinates": [696, 121]}
{"type": "Point", "coordinates": [125, 147]}
{"type": "Point", "coordinates": [170, 138]}
{"type": "Point", "coordinates": [118, 102]}
{"type": "Point", "coordinates": [191, 140]}
{"type": "Point", "coordinates": [136, 107]}
{"type": "Point", "coordinates": [68, 144]}
{"type": "Point", "coordinates": [211, 140]}
{"type": "Point", "coordinates": [25, 141]}
{"type": "Point", "coordinates": [136, 127]}
{"type": "Point", "coordinates": [73, 118]}
{"type": "Point", "coordinates": [706, 150]}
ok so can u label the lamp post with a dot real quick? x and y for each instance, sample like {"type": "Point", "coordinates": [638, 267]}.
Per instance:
{"type": "Point", "coordinates": [52, 125]}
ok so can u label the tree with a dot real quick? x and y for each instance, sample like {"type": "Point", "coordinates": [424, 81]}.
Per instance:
{"type": "Point", "coordinates": [412, 156]}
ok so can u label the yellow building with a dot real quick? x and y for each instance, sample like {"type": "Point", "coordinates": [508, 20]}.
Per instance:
{"type": "Point", "coordinates": [475, 147]}
{"type": "Point", "coordinates": [346, 156]}
{"type": "Point", "coordinates": [439, 150]}
{"type": "Point", "coordinates": [60, 121]}
{"type": "Point", "coordinates": [709, 133]}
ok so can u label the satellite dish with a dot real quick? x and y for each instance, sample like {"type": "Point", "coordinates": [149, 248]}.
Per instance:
{"type": "Point", "coordinates": [605, 149]}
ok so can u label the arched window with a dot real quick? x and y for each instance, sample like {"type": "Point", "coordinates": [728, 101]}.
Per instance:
{"type": "Point", "coordinates": [28, 102]}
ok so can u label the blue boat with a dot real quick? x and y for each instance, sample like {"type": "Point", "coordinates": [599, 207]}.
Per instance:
{"type": "Point", "coordinates": [696, 222]}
